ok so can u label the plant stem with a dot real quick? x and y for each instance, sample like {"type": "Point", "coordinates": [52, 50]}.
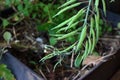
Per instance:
{"type": "Point", "coordinates": [87, 13]}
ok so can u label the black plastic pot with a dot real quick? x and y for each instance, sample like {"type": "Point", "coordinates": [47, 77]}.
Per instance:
{"type": "Point", "coordinates": [113, 6]}
{"type": "Point", "coordinates": [20, 71]}
{"type": "Point", "coordinates": [113, 18]}
{"type": "Point", "coordinates": [104, 70]}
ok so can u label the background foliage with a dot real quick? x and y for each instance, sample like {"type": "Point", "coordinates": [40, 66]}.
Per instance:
{"type": "Point", "coordinates": [5, 73]}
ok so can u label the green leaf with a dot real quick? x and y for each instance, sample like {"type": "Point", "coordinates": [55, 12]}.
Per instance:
{"type": "Point", "coordinates": [26, 12]}
{"type": "Point", "coordinates": [45, 26]}
{"type": "Point", "coordinates": [71, 39]}
{"type": "Point", "coordinates": [16, 18]}
{"type": "Point", "coordinates": [20, 7]}
{"type": "Point", "coordinates": [5, 23]}
{"type": "Point", "coordinates": [7, 36]}
{"type": "Point", "coordinates": [53, 41]}
{"type": "Point", "coordinates": [118, 25]}
{"type": "Point", "coordinates": [8, 2]}
{"type": "Point", "coordinates": [5, 73]}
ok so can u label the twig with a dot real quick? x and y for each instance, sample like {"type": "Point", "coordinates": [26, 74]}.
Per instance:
{"type": "Point", "coordinates": [77, 75]}
{"type": "Point", "coordinates": [72, 59]}
{"type": "Point", "coordinates": [87, 13]}
{"type": "Point", "coordinates": [47, 68]}
{"type": "Point", "coordinates": [14, 32]}
{"type": "Point", "coordinates": [42, 74]}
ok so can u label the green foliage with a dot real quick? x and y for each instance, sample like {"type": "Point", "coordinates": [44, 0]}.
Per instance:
{"type": "Point", "coordinates": [25, 7]}
{"type": "Point", "coordinates": [84, 25]}
{"type": "Point", "coordinates": [53, 41]}
{"type": "Point", "coordinates": [7, 36]}
{"type": "Point", "coordinates": [40, 11]}
{"type": "Point", "coordinates": [118, 25]}
{"type": "Point", "coordinates": [5, 73]}
{"type": "Point", "coordinates": [5, 23]}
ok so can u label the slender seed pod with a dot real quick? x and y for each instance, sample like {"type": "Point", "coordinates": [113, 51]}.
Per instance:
{"type": "Point", "coordinates": [78, 60]}
{"type": "Point", "coordinates": [67, 35]}
{"type": "Point", "coordinates": [67, 8]}
{"type": "Point", "coordinates": [93, 40]}
{"type": "Point", "coordinates": [67, 3]}
{"type": "Point", "coordinates": [97, 26]}
{"type": "Point", "coordinates": [82, 38]}
{"type": "Point", "coordinates": [81, 12]}
{"type": "Point", "coordinates": [72, 26]}
{"type": "Point", "coordinates": [68, 48]}
{"type": "Point", "coordinates": [80, 57]}
{"type": "Point", "coordinates": [96, 3]}
{"type": "Point", "coordinates": [86, 50]}
{"type": "Point", "coordinates": [90, 45]}
{"type": "Point", "coordinates": [104, 6]}
{"type": "Point", "coordinates": [63, 23]}
{"type": "Point", "coordinates": [91, 25]}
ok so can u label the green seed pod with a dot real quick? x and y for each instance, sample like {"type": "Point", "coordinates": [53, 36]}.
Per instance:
{"type": "Point", "coordinates": [67, 35]}
{"type": "Point", "coordinates": [82, 38]}
{"type": "Point", "coordinates": [104, 6]}
{"type": "Point", "coordinates": [67, 8]}
{"type": "Point", "coordinates": [90, 45]}
{"type": "Point", "coordinates": [64, 28]}
{"type": "Point", "coordinates": [93, 40]}
{"type": "Point", "coordinates": [63, 23]}
{"type": "Point", "coordinates": [97, 26]}
{"type": "Point", "coordinates": [81, 57]}
{"type": "Point", "coordinates": [67, 3]}
{"type": "Point", "coordinates": [80, 13]}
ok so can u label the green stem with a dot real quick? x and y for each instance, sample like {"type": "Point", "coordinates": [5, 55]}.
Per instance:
{"type": "Point", "coordinates": [87, 13]}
